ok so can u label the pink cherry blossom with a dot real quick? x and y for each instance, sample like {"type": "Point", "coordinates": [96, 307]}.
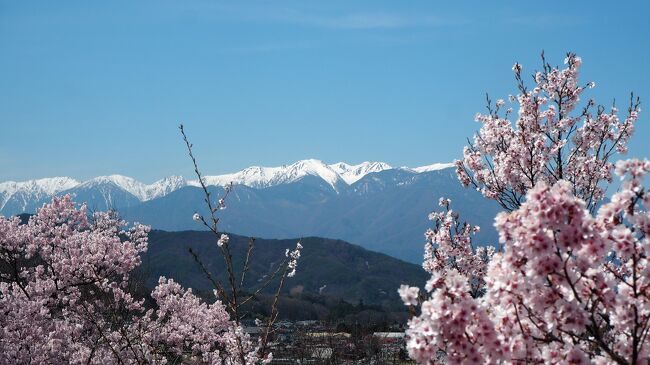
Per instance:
{"type": "Point", "coordinates": [552, 138]}
{"type": "Point", "coordinates": [409, 294]}
{"type": "Point", "coordinates": [449, 246]}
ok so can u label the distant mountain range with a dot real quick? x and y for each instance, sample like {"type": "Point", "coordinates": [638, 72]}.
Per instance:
{"type": "Point", "coordinates": [16, 197]}
{"type": "Point", "coordinates": [372, 204]}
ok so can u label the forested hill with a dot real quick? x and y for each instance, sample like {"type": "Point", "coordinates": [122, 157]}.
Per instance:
{"type": "Point", "coordinates": [327, 267]}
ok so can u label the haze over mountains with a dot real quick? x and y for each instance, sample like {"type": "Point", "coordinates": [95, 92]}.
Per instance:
{"type": "Point", "coordinates": [372, 204]}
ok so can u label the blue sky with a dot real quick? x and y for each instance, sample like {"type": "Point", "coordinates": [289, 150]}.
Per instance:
{"type": "Point", "coordinates": [92, 88]}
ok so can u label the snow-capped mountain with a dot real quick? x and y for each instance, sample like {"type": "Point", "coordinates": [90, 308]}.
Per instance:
{"type": "Point", "coordinates": [255, 177]}
{"type": "Point", "coordinates": [26, 196]}
{"type": "Point", "coordinates": [47, 186]}
{"type": "Point", "coordinates": [140, 190]}
{"type": "Point", "coordinates": [353, 173]}
{"type": "Point", "coordinates": [122, 191]}
{"type": "Point", "coordinates": [334, 174]}
{"type": "Point", "coordinates": [263, 177]}
{"type": "Point", "coordinates": [23, 192]}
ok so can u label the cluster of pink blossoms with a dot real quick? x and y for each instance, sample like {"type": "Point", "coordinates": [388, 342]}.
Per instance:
{"type": "Point", "coordinates": [449, 247]}
{"type": "Point", "coordinates": [569, 287]}
{"type": "Point", "coordinates": [552, 139]}
{"type": "Point", "coordinates": [65, 298]}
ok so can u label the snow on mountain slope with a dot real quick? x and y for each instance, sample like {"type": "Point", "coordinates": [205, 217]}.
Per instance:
{"type": "Point", "coordinates": [433, 167]}
{"type": "Point", "coordinates": [262, 177]}
{"type": "Point", "coordinates": [140, 190]}
{"type": "Point", "coordinates": [25, 192]}
{"type": "Point", "coordinates": [165, 186]}
{"type": "Point", "coordinates": [256, 177]}
{"type": "Point", "coordinates": [35, 189]}
{"type": "Point", "coordinates": [352, 173]}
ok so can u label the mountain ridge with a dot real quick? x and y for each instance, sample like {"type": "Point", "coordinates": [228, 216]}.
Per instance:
{"type": "Point", "coordinates": [253, 176]}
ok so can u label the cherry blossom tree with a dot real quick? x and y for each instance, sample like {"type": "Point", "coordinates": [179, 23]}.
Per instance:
{"type": "Point", "coordinates": [553, 137]}
{"type": "Point", "coordinates": [65, 298]}
{"type": "Point", "coordinates": [569, 287]}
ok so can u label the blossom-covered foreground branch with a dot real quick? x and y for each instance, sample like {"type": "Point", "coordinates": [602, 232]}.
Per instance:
{"type": "Point", "coordinates": [568, 288]}
{"type": "Point", "coordinates": [449, 247]}
{"type": "Point", "coordinates": [65, 298]}
{"type": "Point", "coordinates": [553, 138]}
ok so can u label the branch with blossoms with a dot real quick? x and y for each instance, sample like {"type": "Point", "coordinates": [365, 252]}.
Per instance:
{"type": "Point", "coordinates": [449, 255]}
{"type": "Point", "coordinates": [449, 247]}
{"type": "Point", "coordinates": [551, 139]}
{"type": "Point", "coordinates": [569, 286]}
{"type": "Point", "coordinates": [234, 293]}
